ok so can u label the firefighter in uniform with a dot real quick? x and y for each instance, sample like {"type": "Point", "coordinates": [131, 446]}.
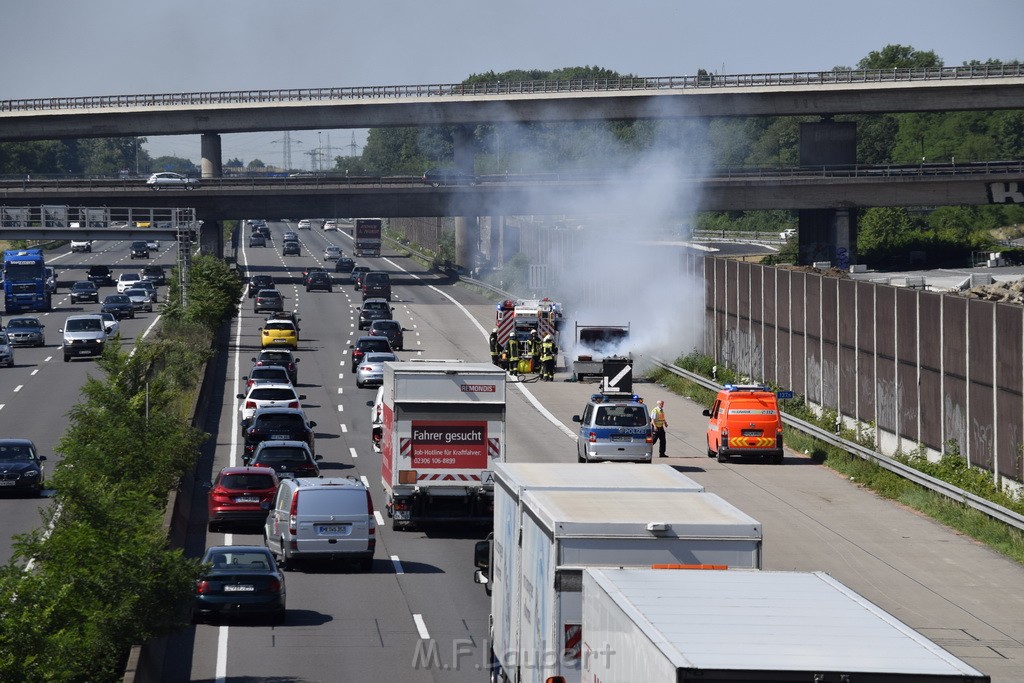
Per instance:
{"type": "Point", "coordinates": [495, 347]}
{"type": "Point", "coordinates": [548, 351]}
{"type": "Point", "coordinates": [534, 351]}
{"type": "Point", "coordinates": [513, 355]}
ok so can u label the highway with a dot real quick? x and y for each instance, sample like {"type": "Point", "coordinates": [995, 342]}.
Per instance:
{"type": "Point", "coordinates": [37, 393]}
{"type": "Point", "coordinates": [418, 616]}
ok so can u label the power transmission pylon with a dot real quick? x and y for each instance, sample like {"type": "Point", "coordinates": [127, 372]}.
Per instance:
{"type": "Point", "coordinates": [287, 141]}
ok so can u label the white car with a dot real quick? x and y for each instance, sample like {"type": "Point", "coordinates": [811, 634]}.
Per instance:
{"type": "Point", "coordinates": [333, 253]}
{"type": "Point", "coordinates": [152, 244]}
{"type": "Point", "coordinates": [127, 281]}
{"type": "Point", "coordinates": [330, 225]}
{"type": "Point", "coordinates": [168, 179]}
{"type": "Point", "coordinates": [787, 233]}
{"type": "Point", "coordinates": [267, 396]}
{"type": "Point", "coordinates": [81, 245]}
{"type": "Point", "coordinates": [110, 324]}
{"type": "Point", "coordinates": [305, 224]}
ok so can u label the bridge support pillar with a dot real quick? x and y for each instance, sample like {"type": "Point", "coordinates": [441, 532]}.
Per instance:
{"type": "Point", "coordinates": [210, 165]}
{"type": "Point", "coordinates": [828, 234]}
{"type": "Point", "coordinates": [211, 239]}
{"type": "Point", "coordinates": [467, 229]}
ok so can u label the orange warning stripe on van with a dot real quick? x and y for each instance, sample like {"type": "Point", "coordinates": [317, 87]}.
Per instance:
{"type": "Point", "coordinates": [751, 442]}
{"type": "Point", "coordinates": [690, 566]}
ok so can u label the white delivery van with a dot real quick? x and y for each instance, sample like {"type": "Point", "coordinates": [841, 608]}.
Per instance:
{"type": "Point", "coordinates": [322, 518]}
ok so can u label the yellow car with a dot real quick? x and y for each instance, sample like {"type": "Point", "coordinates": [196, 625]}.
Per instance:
{"type": "Point", "coordinates": [279, 333]}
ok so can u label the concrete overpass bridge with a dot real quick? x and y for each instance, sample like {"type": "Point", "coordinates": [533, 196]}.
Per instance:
{"type": "Point", "coordinates": [824, 94]}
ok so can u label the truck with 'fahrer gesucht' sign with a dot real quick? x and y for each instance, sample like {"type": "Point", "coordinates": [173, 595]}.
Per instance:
{"type": "Point", "coordinates": [443, 428]}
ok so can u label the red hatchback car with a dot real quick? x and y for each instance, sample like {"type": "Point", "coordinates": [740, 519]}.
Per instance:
{"type": "Point", "coordinates": [241, 494]}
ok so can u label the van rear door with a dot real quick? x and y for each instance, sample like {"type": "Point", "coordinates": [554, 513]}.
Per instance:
{"type": "Point", "coordinates": [333, 521]}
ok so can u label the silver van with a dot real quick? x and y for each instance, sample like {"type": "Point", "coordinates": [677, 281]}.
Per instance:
{"type": "Point", "coordinates": [322, 518]}
{"type": "Point", "coordinates": [84, 335]}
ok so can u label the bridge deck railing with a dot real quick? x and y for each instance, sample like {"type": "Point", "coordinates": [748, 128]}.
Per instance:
{"type": "Point", "coordinates": [511, 88]}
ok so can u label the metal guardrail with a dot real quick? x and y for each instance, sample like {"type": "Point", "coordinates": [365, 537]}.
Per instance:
{"type": "Point", "coordinates": [511, 88]}
{"type": "Point", "coordinates": [993, 510]}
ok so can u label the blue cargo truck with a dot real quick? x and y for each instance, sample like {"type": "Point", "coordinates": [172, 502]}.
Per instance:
{"type": "Point", "coordinates": [25, 281]}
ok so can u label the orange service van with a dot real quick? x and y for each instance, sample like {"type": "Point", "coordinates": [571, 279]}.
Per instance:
{"type": "Point", "coordinates": [745, 421]}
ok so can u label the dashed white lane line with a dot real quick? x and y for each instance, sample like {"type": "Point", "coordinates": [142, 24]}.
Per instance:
{"type": "Point", "coordinates": [397, 564]}
{"type": "Point", "coordinates": [376, 514]}
{"type": "Point", "coordinates": [18, 388]}
{"type": "Point", "coordinates": [352, 452]}
{"type": "Point", "coordinates": [421, 626]}
{"type": "Point", "coordinates": [339, 388]}
{"type": "Point", "coordinates": [48, 359]}
{"type": "Point", "coordinates": [33, 373]}
{"type": "Point", "coordinates": [2, 406]}
{"type": "Point", "coordinates": [340, 407]}
{"type": "Point", "coordinates": [362, 478]}
{"type": "Point", "coordinates": [344, 429]}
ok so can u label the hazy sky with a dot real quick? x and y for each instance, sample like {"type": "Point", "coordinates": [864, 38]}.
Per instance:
{"type": "Point", "coordinates": [106, 47]}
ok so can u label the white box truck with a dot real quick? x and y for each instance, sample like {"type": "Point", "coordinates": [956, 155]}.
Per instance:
{"type": "Point", "coordinates": [563, 532]}
{"type": "Point", "coordinates": [442, 431]}
{"type": "Point", "coordinates": [660, 626]}
{"type": "Point", "coordinates": [498, 565]}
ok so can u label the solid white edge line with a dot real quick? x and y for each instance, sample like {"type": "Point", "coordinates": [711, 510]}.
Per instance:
{"type": "Point", "coordinates": [397, 564]}
{"type": "Point", "coordinates": [421, 626]}
{"type": "Point", "coordinates": [221, 672]}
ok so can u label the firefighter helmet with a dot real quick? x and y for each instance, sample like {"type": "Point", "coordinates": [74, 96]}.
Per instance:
{"type": "Point", "coordinates": [548, 338]}
{"type": "Point", "coordinates": [494, 331]}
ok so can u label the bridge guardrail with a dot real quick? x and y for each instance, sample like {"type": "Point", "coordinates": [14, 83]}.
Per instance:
{"type": "Point", "coordinates": [993, 510]}
{"type": "Point", "coordinates": [625, 84]}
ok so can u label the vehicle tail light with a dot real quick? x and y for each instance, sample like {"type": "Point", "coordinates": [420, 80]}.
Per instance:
{"type": "Point", "coordinates": [203, 587]}
{"type": "Point", "coordinates": [649, 439]}
{"type": "Point", "coordinates": [250, 405]}
{"type": "Point", "coordinates": [592, 438]}
{"type": "Point", "coordinates": [401, 505]}
{"type": "Point", "coordinates": [258, 464]}
{"type": "Point", "coordinates": [293, 513]}
{"type": "Point", "coordinates": [778, 437]}
{"type": "Point", "coordinates": [725, 436]}
{"type": "Point", "coordinates": [293, 404]}
{"type": "Point", "coordinates": [274, 586]}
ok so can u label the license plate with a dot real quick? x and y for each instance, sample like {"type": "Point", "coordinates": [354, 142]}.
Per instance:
{"type": "Point", "coordinates": [401, 514]}
{"type": "Point", "coordinates": [622, 437]}
{"type": "Point", "coordinates": [332, 529]}
{"type": "Point", "coordinates": [7, 483]}
{"type": "Point", "coordinates": [236, 588]}
{"type": "Point", "coordinates": [751, 432]}
{"type": "Point", "coordinates": [247, 499]}
{"type": "Point", "coordinates": [279, 437]}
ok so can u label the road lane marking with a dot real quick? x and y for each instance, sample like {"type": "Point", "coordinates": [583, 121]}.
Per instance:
{"type": "Point", "coordinates": [340, 407]}
{"type": "Point", "coordinates": [344, 429]}
{"type": "Point", "coordinates": [352, 452]}
{"type": "Point", "coordinates": [380, 520]}
{"type": "Point", "coordinates": [221, 672]}
{"type": "Point", "coordinates": [421, 626]}
{"type": "Point", "coordinates": [48, 359]}
{"type": "Point", "coordinates": [339, 388]}
{"type": "Point", "coordinates": [397, 564]}
{"type": "Point", "coordinates": [18, 388]}
{"type": "Point", "coordinates": [33, 373]}
{"type": "Point", "coordinates": [362, 478]}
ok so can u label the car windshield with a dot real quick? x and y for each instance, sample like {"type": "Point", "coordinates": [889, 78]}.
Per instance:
{"type": "Point", "coordinates": [269, 294]}
{"type": "Point", "coordinates": [282, 454]}
{"type": "Point", "coordinates": [22, 322]}
{"type": "Point", "coordinates": [280, 421]}
{"type": "Point", "coordinates": [83, 285]}
{"type": "Point", "coordinates": [136, 292]}
{"type": "Point", "coordinates": [387, 325]}
{"type": "Point", "coordinates": [379, 357]}
{"type": "Point", "coordinates": [128, 277]}
{"type": "Point", "coordinates": [375, 306]}
{"type": "Point", "coordinates": [272, 394]}
{"type": "Point", "coordinates": [378, 344]}
{"type": "Point", "coordinates": [233, 561]}
{"type": "Point", "coordinates": [118, 299]}
{"type": "Point", "coordinates": [267, 373]}
{"type": "Point", "coordinates": [247, 482]}
{"type": "Point", "coordinates": [276, 355]}
{"type": "Point", "coordinates": [279, 326]}
{"type": "Point", "coordinates": [85, 325]}
{"type": "Point", "coordinates": [15, 452]}
{"type": "Point", "coordinates": [620, 416]}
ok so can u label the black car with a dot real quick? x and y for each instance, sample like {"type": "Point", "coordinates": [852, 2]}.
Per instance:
{"type": "Point", "coordinates": [374, 309]}
{"type": "Point", "coordinates": [277, 424]}
{"type": "Point", "coordinates": [239, 579]}
{"type": "Point", "coordinates": [366, 344]}
{"type": "Point", "coordinates": [356, 274]}
{"type": "Point", "coordinates": [21, 467]}
{"type": "Point", "coordinates": [268, 300]}
{"type": "Point", "coordinates": [280, 357]}
{"type": "Point", "coordinates": [391, 329]}
{"type": "Point", "coordinates": [376, 285]}
{"type": "Point", "coordinates": [257, 240]}
{"type": "Point", "coordinates": [140, 249]}
{"type": "Point", "coordinates": [154, 274]}
{"type": "Point", "coordinates": [84, 290]}
{"type": "Point", "coordinates": [344, 265]}
{"type": "Point", "coordinates": [320, 281]}
{"type": "Point", "coordinates": [259, 282]}
{"type": "Point", "coordinates": [118, 305]}
{"type": "Point", "coordinates": [286, 458]}
{"type": "Point", "coordinates": [101, 276]}
{"type": "Point", "coordinates": [309, 270]}
{"type": "Point", "coordinates": [291, 249]}
{"type": "Point", "coordinates": [448, 176]}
